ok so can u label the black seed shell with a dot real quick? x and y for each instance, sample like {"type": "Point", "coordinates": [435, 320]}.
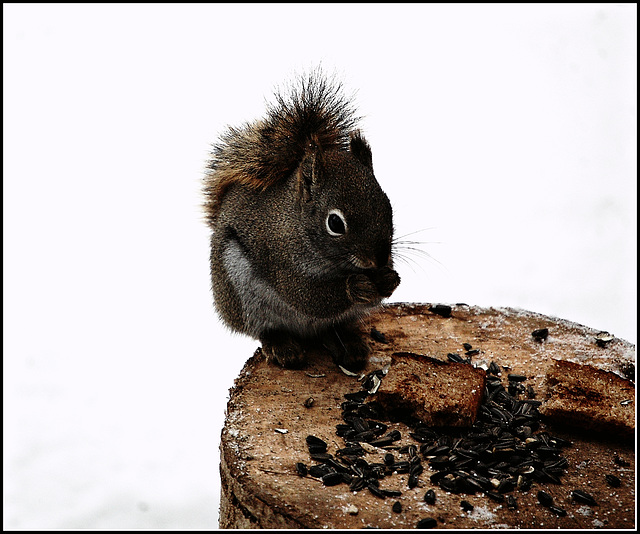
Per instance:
{"type": "Point", "coordinates": [544, 498]}
{"type": "Point", "coordinates": [320, 470]}
{"type": "Point", "coordinates": [441, 309]}
{"type": "Point", "coordinates": [378, 336]}
{"type": "Point", "coordinates": [613, 481]}
{"type": "Point", "coordinates": [320, 456]}
{"type": "Point", "coordinates": [301, 469]}
{"type": "Point", "coordinates": [466, 506]}
{"type": "Point", "coordinates": [430, 497]}
{"type": "Point", "coordinates": [357, 484]}
{"type": "Point", "coordinates": [498, 497]}
{"type": "Point", "coordinates": [516, 378]}
{"type": "Point", "coordinates": [427, 522]}
{"type": "Point", "coordinates": [541, 334]}
{"type": "Point", "coordinates": [313, 440]}
{"type": "Point", "coordinates": [376, 491]}
{"type": "Point", "coordinates": [620, 461]}
{"type": "Point", "coordinates": [557, 510]}
{"type": "Point", "coordinates": [332, 479]}
{"type": "Point", "coordinates": [583, 497]}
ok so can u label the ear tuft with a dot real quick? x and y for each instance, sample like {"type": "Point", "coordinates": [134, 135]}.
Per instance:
{"type": "Point", "coordinates": [361, 149]}
{"type": "Point", "coordinates": [308, 174]}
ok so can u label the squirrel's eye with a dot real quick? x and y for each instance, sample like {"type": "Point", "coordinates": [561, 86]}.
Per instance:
{"type": "Point", "coordinates": [336, 224]}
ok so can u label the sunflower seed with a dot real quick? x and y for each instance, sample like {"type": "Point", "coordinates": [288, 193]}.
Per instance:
{"type": "Point", "coordinates": [620, 461]}
{"type": "Point", "coordinates": [516, 378]}
{"type": "Point", "coordinates": [613, 481]}
{"type": "Point", "coordinates": [378, 336]}
{"type": "Point", "coordinates": [357, 484]}
{"type": "Point", "coordinates": [498, 497]}
{"type": "Point", "coordinates": [376, 491]}
{"type": "Point", "coordinates": [320, 456]}
{"type": "Point", "coordinates": [315, 441]}
{"type": "Point", "coordinates": [583, 497]}
{"type": "Point", "coordinates": [320, 470]}
{"type": "Point", "coordinates": [427, 522]}
{"type": "Point", "coordinates": [441, 309]}
{"type": "Point", "coordinates": [430, 497]}
{"type": "Point", "coordinates": [544, 498]}
{"type": "Point", "coordinates": [603, 338]}
{"type": "Point", "coordinates": [332, 479]}
{"type": "Point", "coordinates": [557, 510]}
{"type": "Point", "coordinates": [466, 506]}
{"type": "Point", "coordinates": [541, 334]}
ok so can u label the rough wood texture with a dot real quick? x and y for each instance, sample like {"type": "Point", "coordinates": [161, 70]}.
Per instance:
{"type": "Point", "coordinates": [267, 423]}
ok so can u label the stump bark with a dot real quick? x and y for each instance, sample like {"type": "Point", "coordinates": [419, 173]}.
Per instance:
{"type": "Point", "coordinates": [272, 410]}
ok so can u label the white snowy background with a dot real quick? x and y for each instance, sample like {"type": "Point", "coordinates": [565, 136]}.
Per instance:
{"type": "Point", "coordinates": [505, 134]}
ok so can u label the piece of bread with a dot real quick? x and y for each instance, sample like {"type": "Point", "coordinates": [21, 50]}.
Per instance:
{"type": "Point", "coordinates": [589, 398]}
{"type": "Point", "coordinates": [435, 392]}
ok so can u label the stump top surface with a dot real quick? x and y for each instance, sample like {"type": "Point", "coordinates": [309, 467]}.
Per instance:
{"type": "Point", "coordinates": [267, 423]}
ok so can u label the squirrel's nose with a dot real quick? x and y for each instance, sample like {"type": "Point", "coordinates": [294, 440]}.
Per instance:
{"type": "Point", "coordinates": [375, 259]}
{"type": "Point", "coordinates": [366, 263]}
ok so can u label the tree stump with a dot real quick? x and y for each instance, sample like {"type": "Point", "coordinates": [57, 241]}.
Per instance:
{"type": "Point", "coordinates": [582, 382]}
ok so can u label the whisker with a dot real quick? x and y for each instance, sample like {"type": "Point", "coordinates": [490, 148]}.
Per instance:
{"type": "Point", "coordinates": [405, 242]}
{"type": "Point", "coordinates": [410, 251]}
{"type": "Point", "coordinates": [409, 262]}
{"type": "Point", "coordinates": [416, 232]}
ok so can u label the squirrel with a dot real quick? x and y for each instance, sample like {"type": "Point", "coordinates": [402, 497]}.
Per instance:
{"type": "Point", "coordinates": [301, 230]}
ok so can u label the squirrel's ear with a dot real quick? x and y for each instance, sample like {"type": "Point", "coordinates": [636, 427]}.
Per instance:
{"type": "Point", "coordinates": [361, 149]}
{"type": "Point", "coordinates": [308, 175]}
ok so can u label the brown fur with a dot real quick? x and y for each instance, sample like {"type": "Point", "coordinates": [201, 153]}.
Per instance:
{"type": "Point", "coordinates": [314, 116]}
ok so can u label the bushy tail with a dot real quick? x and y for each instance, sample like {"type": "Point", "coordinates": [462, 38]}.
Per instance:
{"type": "Point", "coordinates": [314, 114]}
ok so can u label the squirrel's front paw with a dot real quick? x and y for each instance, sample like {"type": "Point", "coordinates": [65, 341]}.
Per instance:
{"type": "Point", "coordinates": [361, 290]}
{"type": "Point", "coordinates": [283, 350]}
{"type": "Point", "coordinates": [386, 281]}
{"type": "Point", "coordinates": [347, 347]}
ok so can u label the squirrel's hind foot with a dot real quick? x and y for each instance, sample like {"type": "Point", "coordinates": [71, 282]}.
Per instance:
{"type": "Point", "coordinates": [283, 349]}
{"type": "Point", "coordinates": [347, 346]}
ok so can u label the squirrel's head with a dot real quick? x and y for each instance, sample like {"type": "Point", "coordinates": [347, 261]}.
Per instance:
{"type": "Point", "coordinates": [345, 212]}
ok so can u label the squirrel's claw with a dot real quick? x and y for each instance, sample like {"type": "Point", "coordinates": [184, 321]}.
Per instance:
{"type": "Point", "coordinates": [386, 281]}
{"type": "Point", "coordinates": [283, 350]}
{"type": "Point", "coordinates": [347, 346]}
{"type": "Point", "coordinates": [363, 289]}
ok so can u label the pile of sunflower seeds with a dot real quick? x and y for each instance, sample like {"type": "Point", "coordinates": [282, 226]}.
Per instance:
{"type": "Point", "coordinates": [504, 452]}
